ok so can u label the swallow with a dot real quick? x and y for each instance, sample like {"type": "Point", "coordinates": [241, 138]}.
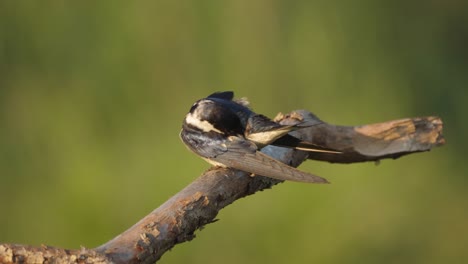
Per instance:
{"type": "Point", "coordinates": [227, 133]}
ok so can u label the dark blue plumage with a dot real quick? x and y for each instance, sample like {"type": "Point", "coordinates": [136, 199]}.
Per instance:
{"type": "Point", "coordinates": [226, 132]}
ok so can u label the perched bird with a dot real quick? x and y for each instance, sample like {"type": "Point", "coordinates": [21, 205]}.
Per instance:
{"type": "Point", "coordinates": [227, 133]}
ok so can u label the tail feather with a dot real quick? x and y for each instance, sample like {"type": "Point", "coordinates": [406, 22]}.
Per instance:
{"type": "Point", "coordinates": [289, 141]}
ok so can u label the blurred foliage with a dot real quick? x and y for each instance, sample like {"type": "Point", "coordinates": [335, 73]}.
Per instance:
{"type": "Point", "coordinates": [92, 95]}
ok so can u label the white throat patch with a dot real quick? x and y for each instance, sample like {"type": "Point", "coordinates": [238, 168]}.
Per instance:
{"type": "Point", "coordinates": [204, 125]}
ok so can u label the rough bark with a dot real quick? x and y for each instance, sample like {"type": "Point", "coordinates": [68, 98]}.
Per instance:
{"type": "Point", "coordinates": [198, 204]}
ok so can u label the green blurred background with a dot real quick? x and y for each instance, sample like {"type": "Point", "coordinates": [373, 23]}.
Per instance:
{"type": "Point", "coordinates": [93, 93]}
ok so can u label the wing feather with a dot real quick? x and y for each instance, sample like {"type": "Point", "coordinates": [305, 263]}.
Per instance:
{"type": "Point", "coordinates": [228, 95]}
{"type": "Point", "coordinates": [242, 155]}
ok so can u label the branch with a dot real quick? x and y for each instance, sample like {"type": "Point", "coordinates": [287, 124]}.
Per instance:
{"type": "Point", "coordinates": [374, 142]}
{"type": "Point", "coordinates": [198, 204]}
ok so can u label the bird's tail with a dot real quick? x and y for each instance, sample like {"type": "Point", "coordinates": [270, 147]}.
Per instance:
{"type": "Point", "coordinates": [289, 141]}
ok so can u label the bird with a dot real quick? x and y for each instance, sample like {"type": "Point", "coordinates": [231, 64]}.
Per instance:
{"type": "Point", "coordinates": [227, 133]}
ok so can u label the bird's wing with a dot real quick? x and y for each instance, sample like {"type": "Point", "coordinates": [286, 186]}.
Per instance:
{"type": "Point", "coordinates": [228, 95]}
{"type": "Point", "coordinates": [243, 155]}
{"type": "Point", "coordinates": [196, 142]}
{"type": "Point", "coordinates": [262, 130]}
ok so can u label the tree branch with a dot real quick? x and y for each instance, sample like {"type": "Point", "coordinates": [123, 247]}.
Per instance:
{"type": "Point", "coordinates": [198, 204]}
{"type": "Point", "coordinates": [374, 142]}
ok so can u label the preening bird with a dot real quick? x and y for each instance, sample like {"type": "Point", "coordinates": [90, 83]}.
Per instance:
{"type": "Point", "coordinates": [227, 133]}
